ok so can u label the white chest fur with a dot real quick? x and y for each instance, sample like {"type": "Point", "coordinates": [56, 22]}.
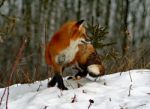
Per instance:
{"type": "Point", "coordinates": [68, 54]}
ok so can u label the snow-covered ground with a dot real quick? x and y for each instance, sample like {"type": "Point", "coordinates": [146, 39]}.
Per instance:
{"type": "Point", "coordinates": [113, 91]}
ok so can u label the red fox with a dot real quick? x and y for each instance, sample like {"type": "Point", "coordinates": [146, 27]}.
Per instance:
{"type": "Point", "coordinates": [62, 48]}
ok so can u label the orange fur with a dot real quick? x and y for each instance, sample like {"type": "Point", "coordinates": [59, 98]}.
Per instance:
{"type": "Point", "coordinates": [85, 50]}
{"type": "Point", "coordinates": [71, 31]}
{"type": "Point", "coordinates": [85, 54]}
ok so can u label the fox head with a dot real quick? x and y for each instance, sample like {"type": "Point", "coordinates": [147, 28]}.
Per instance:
{"type": "Point", "coordinates": [81, 31]}
{"type": "Point", "coordinates": [75, 30]}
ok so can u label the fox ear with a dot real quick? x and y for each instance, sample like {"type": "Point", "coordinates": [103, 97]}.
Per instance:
{"type": "Point", "coordinates": [80, 22]}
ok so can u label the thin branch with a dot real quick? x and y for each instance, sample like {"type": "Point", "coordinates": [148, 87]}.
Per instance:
{"type": "Point", "coordinates": [130, 75]}
{"type": "Point", "coordinates": [79, 85]}
{"type": "Point", "coordinates": [91, 102]}
{"type": "Point", "coordinates": [130, 87]}
{"type": "Point", "coordinates": [7, 97]}
{"type": "Point", "coordinates": [2, 96]}
{"type": "Point", "coordinates": [39, 86]}
{"type": "Point", "coordinates": [18, 57]}
{"type": "Point", "coordinates": [74, 99]}
{"type": "Point", "coordinates": [142, 105]}
{"type": "Point", "coordinates": [45, 107]}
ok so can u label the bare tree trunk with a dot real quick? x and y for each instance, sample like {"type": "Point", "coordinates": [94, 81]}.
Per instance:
{"type": "Point", "coordinates": [2, 2]}
{"type": "Point", "coordinates": [107, 13]}
{"type": "Point", "coordinates": [125, 26]}
{"type": "Point", "coordinates": [79, 10]}
{"type": "Point", "coordinates": [144, 14]}
{"type": "Point", "coordinates": [26, 13]}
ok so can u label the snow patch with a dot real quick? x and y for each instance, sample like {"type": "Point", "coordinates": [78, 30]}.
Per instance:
{"type": "Point", "coordinates": [109, 92]}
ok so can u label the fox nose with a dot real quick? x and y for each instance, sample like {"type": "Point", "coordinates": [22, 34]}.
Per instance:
{"type": "Point", "coordinates": [86, 40]}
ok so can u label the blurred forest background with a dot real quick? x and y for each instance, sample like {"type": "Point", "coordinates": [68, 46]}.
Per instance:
{"type": "Point", "coordinates": [126, 21]}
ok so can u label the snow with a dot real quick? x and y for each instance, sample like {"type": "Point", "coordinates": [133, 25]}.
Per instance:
{"type": "Point", "coordinates": [109, 92]}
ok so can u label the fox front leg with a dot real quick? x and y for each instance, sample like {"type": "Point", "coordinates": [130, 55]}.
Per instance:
{"type": "Point", "coordinates": [59, 80]}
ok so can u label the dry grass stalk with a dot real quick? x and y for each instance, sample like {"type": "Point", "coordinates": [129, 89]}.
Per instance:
{"type": "Point", "coordinates": [18, 57]}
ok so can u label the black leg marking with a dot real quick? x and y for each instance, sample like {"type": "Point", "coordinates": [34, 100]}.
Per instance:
{"type": "Point", "coordinates": [53, 81]}
{"type": "Point", "coordinates": [70, 77]}
{"type": "Point", "coordinates": [61, 82]}
{"type": "Point", "coordinates": [81, 74]}
{"type": "Point", "coordinates": [57, 79]}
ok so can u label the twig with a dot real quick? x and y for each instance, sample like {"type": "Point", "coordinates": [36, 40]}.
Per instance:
{"type": "Point", "coordinates": [7, 97]}
{"type": "Point", "coordinates": [45, 107]}
{"type": "Point", "coordinates": [39, 87]}
{"type": "Point", "coordinates": [46, 38]}
{"type": "Point", "coordinates": [130, 75]}
{"type": "Point", "coordinates": [130, 90]}
{"type": "Point", "coordinates": [142, 105]}
{"type": "Point", "coordinates": [74, 99]}
{"type": "Point", "coordinates": [2, 96]}
{"type": "Point", "coordinates": [105, 83]}
{"type": "Point", "coordinates": [79, 85]}
{"type": "Point", "coordinates": [121, 107]}
{"type": "Point", "coordinates": [109, 99]}
{"type": "Point", "coordinates": [18, 57]}
{"type": "Point", "coordinates": [91, 102]}
{"type": "Point", "coordinates": [120, 73]}
{"type": "Point", "coordinates": [83, 91]}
